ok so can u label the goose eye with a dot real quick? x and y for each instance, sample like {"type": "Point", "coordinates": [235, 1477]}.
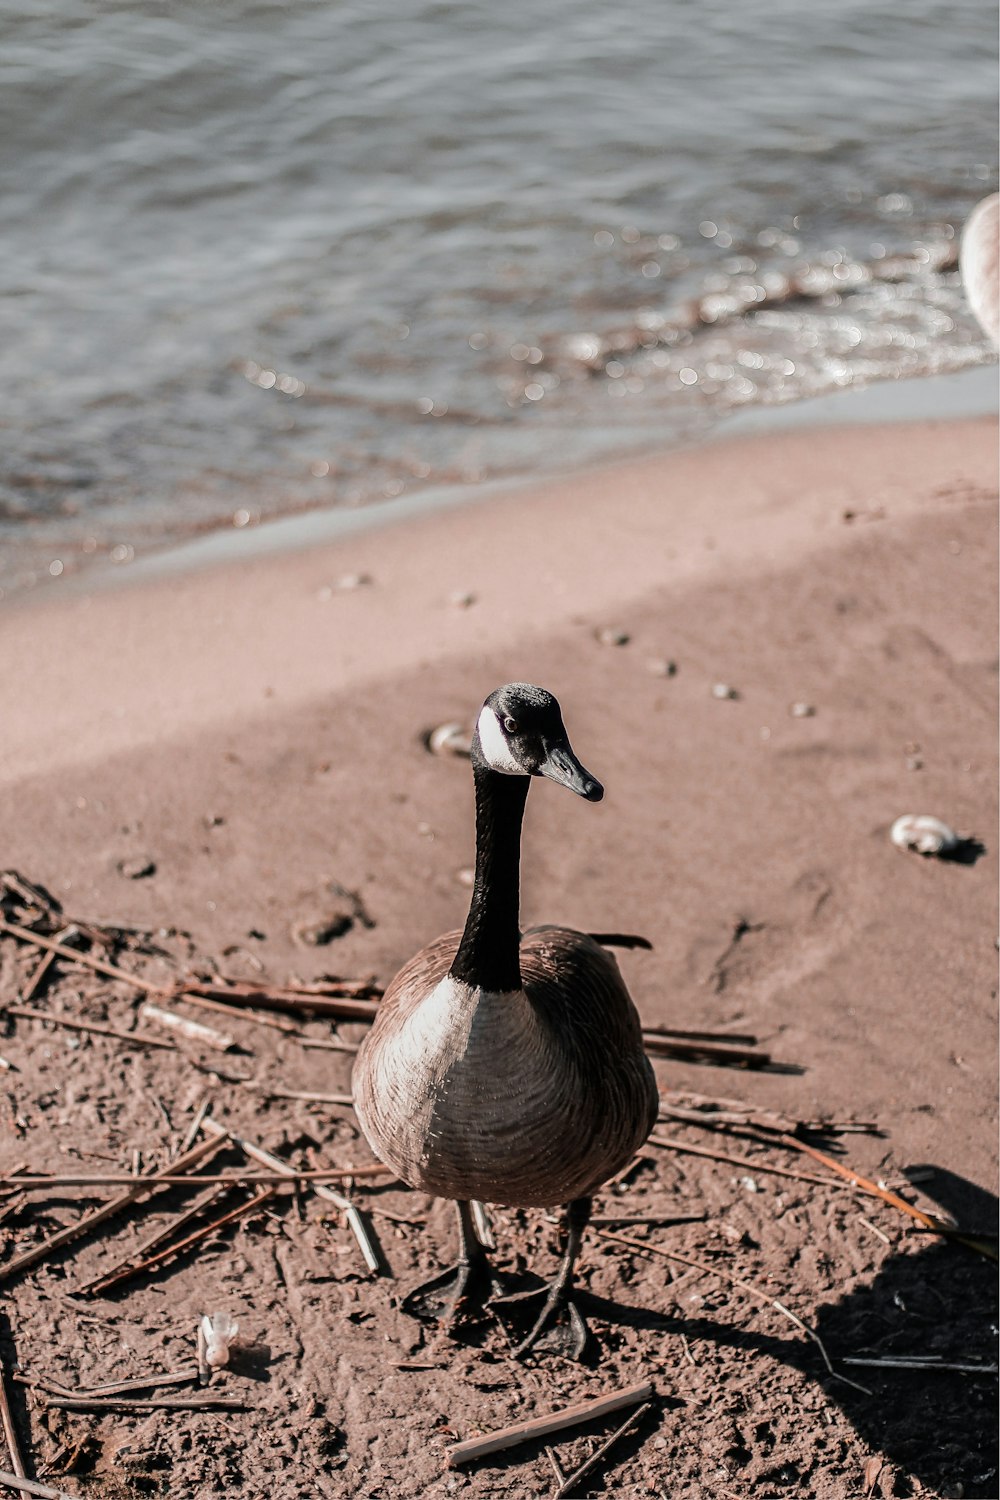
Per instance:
{"type": "Point", "coordinates": [510, 725]}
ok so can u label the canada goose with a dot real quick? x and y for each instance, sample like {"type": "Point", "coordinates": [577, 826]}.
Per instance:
{"type": "Point", "coordinates": [503, 1067]}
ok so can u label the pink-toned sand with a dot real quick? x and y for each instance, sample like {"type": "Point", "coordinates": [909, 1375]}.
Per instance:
{"type": "Point", "coordinates": [255, 731]}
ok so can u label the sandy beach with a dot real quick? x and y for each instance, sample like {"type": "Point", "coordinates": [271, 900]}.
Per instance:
{"type": "Point", "coordinates": [254, 733]}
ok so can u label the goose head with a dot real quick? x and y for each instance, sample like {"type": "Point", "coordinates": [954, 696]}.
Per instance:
{"type": "Point", "coordinates": [520, 732]}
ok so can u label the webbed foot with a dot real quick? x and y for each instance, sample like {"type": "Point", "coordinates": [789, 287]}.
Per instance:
{"type": "Point", "coordinates": [560, 1327]}
{"type": "Point", "coordinates": [457, 1295]}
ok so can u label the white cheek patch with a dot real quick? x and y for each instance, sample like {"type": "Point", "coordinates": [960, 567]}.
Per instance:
{"type": "Point", "coordinates": [495, 748]}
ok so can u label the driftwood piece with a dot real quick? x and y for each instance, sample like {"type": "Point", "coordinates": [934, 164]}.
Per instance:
{"type": "Point", "coordinates": [536, 1427]}
{"type": "Point", "coordinates": [177, 1169]}
{"type": "Point", "coordinates": [97, 1028]}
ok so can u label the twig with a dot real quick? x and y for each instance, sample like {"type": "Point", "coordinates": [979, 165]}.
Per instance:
{"type": "Point", "coordinates": [73, 1023]}
{"type": "Point", "coordinates": [204, 1368]}
{"type": "Point", "coordinates": [166, 1179]}
{"type": "Point", "coordinates": [749, 1163]}
{"type": "Point", "coordinates": [116, 1387]}
{"type": "Point", "coordinates": [194, 1031]}
{"type": "Point", "coordinates": [25, 935]}
{"type": "Point", "coordinates": [102, 1283]}
{"type": "Point", "coordinates": [276, 1023]}
{"type": "Point", "coordinates": [572, 1480]}
{"type": "Point", "coordinates": [970, 1241]}
{"type": "Point", "coordinates": [879, 1234]}
{"type": "Point", "coordinates": [893, 1362]}
{"type": "Point", "coordinates": [264, 1091]}
{"type": "Point", "coordinates": [525, 1432]}
{"type": "Point", "coordinates": [41, 969]}
{"type": "Point", "coordinates": [162, 1403]}
{"type": "Point", "coordinates": [662, 1220]}
{"type": "Point", "coordinates": [191, 1134]}
{"type": "Point", "coordinates": [646, 1248]}
{"type": "Point", "coordinates": [731, 1038]}
{"type": "Point", "coordinates": [9, 1430]}
{"type": "Point", "coordinates": [305, 1002]}
{"type": "Point", "coordinates": [115, 1205]}
{"type": "Point", "coordinates": [740, 1057]}
{"type": "Point", "coordinates": [32, 1487]}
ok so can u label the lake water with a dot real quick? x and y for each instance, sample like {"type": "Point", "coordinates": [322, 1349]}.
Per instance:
{"type": "Point", "coordinates": [262, 257]}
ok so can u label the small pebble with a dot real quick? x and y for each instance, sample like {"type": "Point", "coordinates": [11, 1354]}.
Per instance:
{"type": "Point", "coordinates": [914, 763]}
{"type": "Point", "coordinates": [462, 599]}
{"type": "Point", "coordinates": [723, 690]}
{"type": "Point", "coordinates": [612, 635]}
{"type": "Point", "coordinates": [661, 666]}
{"type": "Point", "coordinates": [802, 711]}
{"type": "Point", "coordinates": [466, 876]}
{"type": "Point", "coordinates": [137, 868]}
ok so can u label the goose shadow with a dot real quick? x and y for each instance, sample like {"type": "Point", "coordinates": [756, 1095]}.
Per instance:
{"type": "Point", "coordinates": [937, 1426]}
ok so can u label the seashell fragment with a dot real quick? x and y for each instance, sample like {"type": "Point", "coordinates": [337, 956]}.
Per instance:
{"type": "Point", "coordinates": [219, 1331]}
{"type": "Point", "coordinates": [923, 834]}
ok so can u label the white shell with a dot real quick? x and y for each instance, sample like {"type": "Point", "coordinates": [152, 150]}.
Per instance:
{"type": "Point", "coordinates": [923, 834]}
{"type": "Point", "coordinates": [449, 739]}
{"type": "Point", "coordinates": [220, 1330]}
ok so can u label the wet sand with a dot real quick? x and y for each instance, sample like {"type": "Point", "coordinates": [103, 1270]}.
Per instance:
{"type": "Point", "coordinates": [255, 731]}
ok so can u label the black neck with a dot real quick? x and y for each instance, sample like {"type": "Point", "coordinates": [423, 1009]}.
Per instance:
{"type": "Point", "coordinates": [488, 953]}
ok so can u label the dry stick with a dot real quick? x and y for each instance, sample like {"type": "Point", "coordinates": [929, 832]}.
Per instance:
{"type": "Point", "coordinates": [192, 1131]}
{"type": "Point", "coordinates": [9, 1431]}
{"type": "Point", "coordinates": [32, 1487]}
{"type": "Point", "coordinates": [194, 1031]}
{"type": "Point", "coordinates": [747, 1286]}
{"type": "Point", "coordinates": [572, 1480]}
{"type": "Point", "coordinates": [971, 1242]}
{"type": "Point", "coordinates": [42, 968]}
{"type": "Point", "coordinates": [734, 1038]}
{"type": "Point", "coordinates": [337, 1007]}
{"type": "Point", "coordinates": [137, 1038]}
{"type": "Point", "coordinates": [277, 1023]}
{"type": "Point", "coordinates": [111, 970]}
{"type": "Point", "coordinates": [355, 1222]}
{"type": "Point", "coordinates": [102, 1283]}
{"type": "Point", "coordinates": [107, 1210]}
{"type": "Point", "coordinates": [662, 1046]}
{"type": "Point", "coordinates": [525, 1432]}
{"type": "Point", "coordinates": [166, 1179]}
{"type": "Point", "coordinates": [265, 1092]}
{"type": "Point", "coordinates": [748, 1162]}
{"type": "Point", "coordinates": [204, 1368]}
{"type": "Point", "coordinates": [116, 1387]}
{"type": "Point", "coordinates": [320, 1044]}
{"type": "Point", "coordinates": [163, 1403]}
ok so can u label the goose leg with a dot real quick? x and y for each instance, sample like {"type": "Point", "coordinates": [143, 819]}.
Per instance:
{"type": "Point", "coordinates": [570, 1335]}
{"type": "Point", "coordinates": [464, 1287]}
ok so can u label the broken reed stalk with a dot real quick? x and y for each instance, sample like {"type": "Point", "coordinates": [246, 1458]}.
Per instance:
{"type": "Point", "coordinates": [41, 969]}
{"type": "Point", "coordinates": [9, 1430]}
{"type": "Point", "coordinates": [346, 1101]}
{"type": "Point", "coordinates": [107, 1210]}
{"type": "Point", "coordinates": [74, 1023]}
{"type": "Point", "coordinates": [536, 1427]}
{"type": "Point", "coordinates": [303, 1002]}
{"type": "Point", "coordinates": [970, 1241]}
{"type": "Point", "coordinates": [33, 1487]}
{"type": "Point", "coordinates": [728, 1038]}
{"type": "Point", "coordinates": [111, 971]}
{"type": "Point", "coordinates": [747, 1162]}
{"type": "Point", "coordinates": [167, 1179]}
{"type": "Point", "coordinates": [322, 1044]}
{"type": "Point", "coordinates": [646, 1248]}
{"type": "Point", "coordinates": [893, 1362]}
{"type": "Point", "coordinates": [148, 1246]}
{"type": "Point", "coordinates": [572, 1480]}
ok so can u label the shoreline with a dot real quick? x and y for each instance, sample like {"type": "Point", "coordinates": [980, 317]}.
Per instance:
{"type": "Point", "coordinates": [970, 391]}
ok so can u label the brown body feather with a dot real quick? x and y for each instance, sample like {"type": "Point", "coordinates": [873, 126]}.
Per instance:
{"type": "Point", "coordinates": [527, 1098]}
